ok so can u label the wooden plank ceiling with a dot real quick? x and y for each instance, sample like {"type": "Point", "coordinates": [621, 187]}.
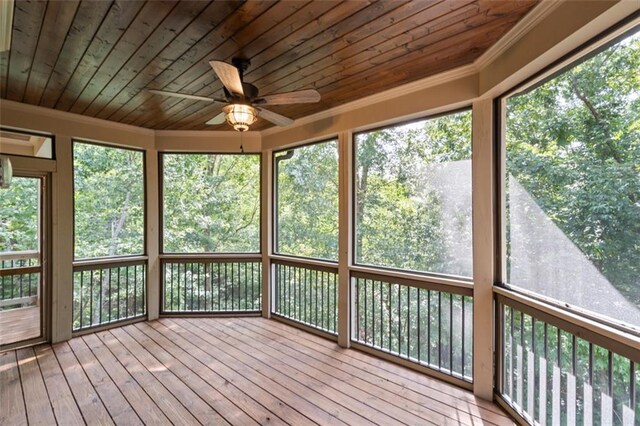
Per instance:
{"type": "Point", "coordinates": [96, 58]}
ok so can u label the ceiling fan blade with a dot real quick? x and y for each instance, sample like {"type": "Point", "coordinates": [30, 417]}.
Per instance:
{"type": "Point", "coordinates": [184, 96]}
{"type": "Point", "coordinates": [278, 119]}
{"type": "Point", "coordinates": [308, 96]}
{"type": "Point", "coordinates": [229, 76]}
{"type": "Point", "coordinates": [218, 119]}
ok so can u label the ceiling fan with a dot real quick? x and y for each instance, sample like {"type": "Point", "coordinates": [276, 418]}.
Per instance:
{"type": "Point", "coordinates": [243, 104]}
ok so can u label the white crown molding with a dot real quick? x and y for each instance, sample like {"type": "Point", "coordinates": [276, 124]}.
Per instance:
{"type": "Point", "coordinates": [209, 134]}
{"type": "Point", "coordinates": [519, 30]}
{"type": "Point", "coordinates": [64, 115]}
{"type": "Point", "coordinates": [396, 92]}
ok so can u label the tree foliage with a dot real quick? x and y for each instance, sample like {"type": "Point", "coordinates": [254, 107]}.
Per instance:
{"type": "Point", "coordinates": [108, 201]}
{"type": "Point", "coordinates": [574, 144]}
{"type": "Point", "coordinates": [400, 200]}
{"type": "Point", "coordinates": [211, 203]}
{"type": "Point", "coordinates": [307, 201]}
{"type": "Point", "coordinates": [19, 215]}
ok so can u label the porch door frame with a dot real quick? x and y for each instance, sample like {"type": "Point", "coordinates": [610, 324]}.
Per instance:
{"type": "Point", "coordinates": [41, 169]}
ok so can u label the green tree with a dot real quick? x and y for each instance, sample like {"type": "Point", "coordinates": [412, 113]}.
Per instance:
{"type": "Point", "coordinates": [307, 201]}
{"type": "Point", "coordinates": [399, 215]}
{"type": "Point", "coordinates": [211, 203]}
{"type": "Point", "coordinates": [19, 215]}
{"type": "Point", "coordinates": [574, 145]}
{"type": "Point", "coordinates": [108, 201]}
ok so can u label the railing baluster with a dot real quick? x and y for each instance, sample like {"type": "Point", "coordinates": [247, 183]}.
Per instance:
{"type": "Point", "coordinates": [101, 271]}
{"type": "Point", "coordinates": [390, 321]}
{"type": "Point", "coordinates": [289, 292]}
{"type": "Point", "coordinates": [398, 298]}
{"type": "Point", "coordinates": [628, 413]}
{"type": "Point", "coordinates": [191, 283]}
{"type": "Point", "coordinates": [135, 290]}
{"type": "Point", "coordinates": [607, 397]}
{"type": "Point", "coordinates": [409, 317]}
{"type": "Point", "coordinates": [99, 299]}
{"type": "Point", "coordinates": [91, 300]}
{"type": "Point", "coordinates": [463, 335]}
{"type": "Point", "coordinates": [450, 332]}
{"type": "Point", "coordinates": [571, 385]}
{"type": "Point", "coordinates": [531, 373]}
{"type": "Point", "coordinates": [429, 327]}
{"type": "Point", "coordinates": [393, 318]}
{"type": "Point", "coordinates": [419, 336]}
{"type": "Point", "coordinates": [109, 293]}
{"type": "Point", "coordinates": [81, 309]}
{"type": "Point", "coordinates": [366, 317]}
{"type": "Point", "coordinates": [334, 311]}
{"type": "Point", "coordinates": [143, 304]}
{"type": "Point", "coordinates": [236, 284]}
{"type": "Point", "coordinates": [440, 330]}
{"type": "Point", "coordinates": [316, 296]}
{"type": "Point", "coordinates": [119, 298]}
{"type": "Point", "coordinates": [305, 292]}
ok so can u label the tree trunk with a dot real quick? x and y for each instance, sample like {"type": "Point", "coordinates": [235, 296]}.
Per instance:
{"type": "Point", "coordinates": [116, 230]}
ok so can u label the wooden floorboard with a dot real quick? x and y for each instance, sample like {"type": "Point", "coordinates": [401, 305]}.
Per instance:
{"type": "Point", "coordinates": [36, 397]}
{"type": "Point", "coordinates": [12, 409]}
{"type": "Point", "coordinates": [444, 398]}
{"type": "Point", "coordinates": [238, 371]}
{"type": "Point", "coordinates": [62, 401]}
{"type": "Point", "coordinates": [19, 324]}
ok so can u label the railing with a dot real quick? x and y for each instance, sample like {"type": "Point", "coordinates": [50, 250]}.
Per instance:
{"type": "Point", "coordinates": [307, 293]}
{"type": "Point", "coordinates": [107, 291]}
{"type": "Point", "coordinates": [19, 279]}
{"type": "Point", "coordinates": [553, 372]}
{"type": "Point", "coordinates": [211, 284]}
{"type": "Point", "coordinates": [421, 322]}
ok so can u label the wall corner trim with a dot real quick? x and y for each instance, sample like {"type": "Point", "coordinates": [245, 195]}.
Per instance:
{"type": "Point", "coordinates": [526, 24]}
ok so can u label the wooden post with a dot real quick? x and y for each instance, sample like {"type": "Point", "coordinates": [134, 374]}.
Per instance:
{"type": "Point", "coordinates": [62, 242]}
{"type": "Point", "coordinates": [483, 248]}
{"type": "Point", "coordinates": [153, 234]}
{"type": "Point", "coordinates": [345, 150]}
{"type": "Point", "coordinates": [266, 228]}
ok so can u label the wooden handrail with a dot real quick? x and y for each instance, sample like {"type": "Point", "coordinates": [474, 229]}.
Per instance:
{"type": "Point", "coordinates": [31, 300]}
{"type": "Point", "coordinates": [19, 255]}
{"type": "Point", "coordinates": [430, 282]}
{"type": "Point", "coordinates": [602, 335]}
{"type": "Point", "coordinates": [305, 263]}
{"type": "Point", "coordinates": [112, 262]}
{"type": "Point", "coordinates": [7, 272]}
{"type": "Point", "coordinates": [215, 258]}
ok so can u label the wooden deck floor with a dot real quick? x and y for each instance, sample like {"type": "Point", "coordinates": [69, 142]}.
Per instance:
{"type": "Point", "coordinates": [19, 324]}
{"type": "Point", "coordinates": [238, 371]}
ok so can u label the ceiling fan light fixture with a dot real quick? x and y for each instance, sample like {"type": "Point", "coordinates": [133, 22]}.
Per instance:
{"type": "Point", "coordinates": [240, 116]}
